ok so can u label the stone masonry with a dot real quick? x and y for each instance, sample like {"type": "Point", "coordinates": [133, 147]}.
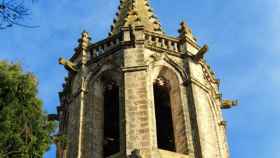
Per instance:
{"type": "Point", "coordinates": [137, 54]}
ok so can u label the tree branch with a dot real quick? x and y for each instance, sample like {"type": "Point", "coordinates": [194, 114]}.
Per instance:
{"type": "Point", "coordinates": [12, 13]}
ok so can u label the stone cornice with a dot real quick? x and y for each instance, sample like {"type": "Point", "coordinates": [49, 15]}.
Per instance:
{"type": "Point", "coordinates": [135, 68]}
{"type": "Point", "coordinates": [162, 36]}
{"type": "Point", "coordinates": [191, 42]}
{"type": "Point", "coordinates": [154, 41]}
{"type": "Point", "coordinates": [177, 39]}
{"type": "Point", "coordinates": [105, 41]}
{"type": "Point", "coordinates": [162, 50]}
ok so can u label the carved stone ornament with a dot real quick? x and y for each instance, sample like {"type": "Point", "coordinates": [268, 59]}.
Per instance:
{"type": "Point", "coordinates": [70, 66]}
{"type": "Point", "coordinates": [227, 104]}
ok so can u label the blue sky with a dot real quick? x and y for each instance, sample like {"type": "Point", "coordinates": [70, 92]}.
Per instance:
{"type": "Point", "coordinates": [244, 41]}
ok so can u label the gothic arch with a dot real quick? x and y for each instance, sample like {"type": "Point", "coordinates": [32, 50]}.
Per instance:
{"type": "Point", "coordinates": [104, 83]}
{"type": "Point", "coordinates": [177, 68]}
{"type": "Point", "coordinates": [174, 81]}
{"type": "Point", "coordinates": [106, 67]}
{"type": "Point", "coordinates": [160, 60]}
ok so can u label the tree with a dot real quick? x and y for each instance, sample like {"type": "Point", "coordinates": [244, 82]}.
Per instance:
{"type": "Point", "coordinates": [13, 12]}
{"type": "Point", "coordinates": [25, 131]}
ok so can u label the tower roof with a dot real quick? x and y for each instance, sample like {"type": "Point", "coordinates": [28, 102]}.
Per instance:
{"type": "Point", "coordinates": [134, 13]}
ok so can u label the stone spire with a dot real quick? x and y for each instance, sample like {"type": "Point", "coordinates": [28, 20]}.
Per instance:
{"type": "Point", "coordinates": [135, 13]}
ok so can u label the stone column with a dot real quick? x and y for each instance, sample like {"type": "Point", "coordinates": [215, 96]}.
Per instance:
{"type": "Point", "coordinates": [137, 115]}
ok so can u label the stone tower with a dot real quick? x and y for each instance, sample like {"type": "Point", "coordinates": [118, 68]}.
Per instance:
{"type": "Point", "coordinates": [140, 93]}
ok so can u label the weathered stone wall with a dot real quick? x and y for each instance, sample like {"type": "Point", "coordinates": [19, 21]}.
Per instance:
{"type": "Point", "coordinates": [134, 55]}
{"type": "Point", "coordinates": [208, 114]}
{"type": "Point", "coordinates": [171, 68]}
{"type": "Point", "coordinates": [93, 143]}
{"type": "Point", "coordinates": [137, 113]}
{"type": "Point", "coordinates": [94, 111]}
{"type": "Point", "coordinates": [196, 117]}
{"type": "Point", "coordinates": [73, 133]}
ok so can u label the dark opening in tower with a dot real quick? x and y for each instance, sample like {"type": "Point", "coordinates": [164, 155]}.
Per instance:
{"type": "Point", "coordinates": [164, 123]}
{"type": "Point", "coordinates": [111, 139]}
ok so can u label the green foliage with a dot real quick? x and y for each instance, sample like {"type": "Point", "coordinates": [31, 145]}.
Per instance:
{"type": "Point", "coordinates": [24, 128]}
{"type": "Point", "coordinates": [61, 140]}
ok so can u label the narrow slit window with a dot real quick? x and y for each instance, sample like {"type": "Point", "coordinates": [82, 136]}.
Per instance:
{"type": "Point", "coordinates": [164, 123]}
{"type": "Point", "coordinates": [111, 140]}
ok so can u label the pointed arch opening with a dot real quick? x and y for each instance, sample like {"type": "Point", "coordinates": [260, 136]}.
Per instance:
{"type": "Point", "coordinates": [104, 112]}
{"type": "Point", "coordinates": [169, 114]}
{"type": "Point", "coordinates": [164, 123]}
{"type": "Point", "coordinates": [111, 126]}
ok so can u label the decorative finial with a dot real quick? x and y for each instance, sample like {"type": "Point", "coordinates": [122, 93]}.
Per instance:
{"type": "Point", "coordinates": [84, 41]}
{"type": "Point", "coordinates": [184, 30]}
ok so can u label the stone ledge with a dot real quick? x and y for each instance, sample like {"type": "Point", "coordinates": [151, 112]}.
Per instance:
{"type": "Point", "coordinates": [170, 154]}
{"type": "Point", "coordinates": [135, 68]}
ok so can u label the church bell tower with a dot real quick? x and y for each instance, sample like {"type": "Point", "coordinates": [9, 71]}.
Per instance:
{"type": "Point", "coordinates": [140, 93]}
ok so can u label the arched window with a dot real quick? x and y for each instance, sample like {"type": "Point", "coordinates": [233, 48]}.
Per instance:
{"type": "Point", "coordinates": [103, 113]}
{"type": "Point", "coordinates": [164, 123]}
{"type": "Point", "coordinates": [169, 113]}
{"type": "Point", "coordinates": [111, 130]}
